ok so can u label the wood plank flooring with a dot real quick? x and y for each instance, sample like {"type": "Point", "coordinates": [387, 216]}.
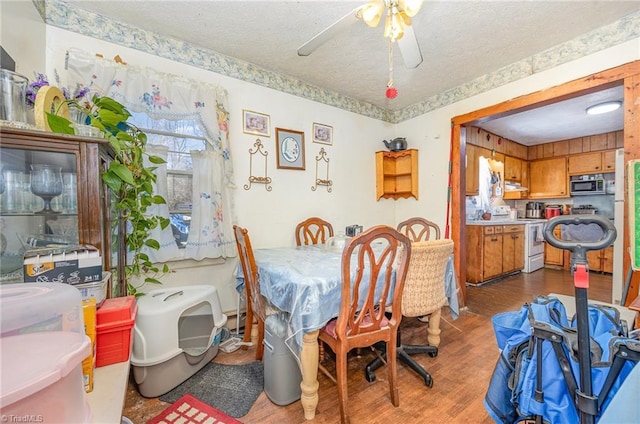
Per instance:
{"type": "Point", "coordinates": [461, 371]}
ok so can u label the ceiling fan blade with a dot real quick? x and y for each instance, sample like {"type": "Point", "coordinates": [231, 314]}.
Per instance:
{"type": "Point", "coordinates": [331, 31]}
{"type": "Point", "coordinates": [409, 48]}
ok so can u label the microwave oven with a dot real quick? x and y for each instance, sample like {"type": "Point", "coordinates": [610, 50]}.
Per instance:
{"type": "Point", "coordinates": [587, 187]}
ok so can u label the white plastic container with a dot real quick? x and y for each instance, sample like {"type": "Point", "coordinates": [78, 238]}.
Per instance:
{"type": "Point", "coordinates": [42, 346]}
{"type": "Point", "coordinates": [97, 289]}
{"type": "Point", "coordinates": [36, 307]}
{"type": "Point", "coordinates": [177, 332]}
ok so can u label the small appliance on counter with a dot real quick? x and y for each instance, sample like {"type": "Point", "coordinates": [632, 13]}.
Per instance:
{"type": "Point", "coordinates": [534, 210]}
{"type": "Point", "coordinates": [584, 210]}
{"type": "Point", "coordinates": [353, 230]}
{"type": "Point", "coordinates": [552, 210]}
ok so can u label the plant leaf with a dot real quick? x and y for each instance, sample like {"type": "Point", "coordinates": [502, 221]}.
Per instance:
{"type": "Point", "coordinates": [59, 124]}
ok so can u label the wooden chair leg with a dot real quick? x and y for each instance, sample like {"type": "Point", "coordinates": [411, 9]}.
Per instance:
{"type": "Point", "coordinates": [341, 374]}
{"type": "Point", "coordinates": [248, 325]}
{"type": "Point", "coordinates": [260, 346]}
{"type": "Point", "coordinates": [433, 331]}
{"type": "Point", "coordinates": [393, 371]}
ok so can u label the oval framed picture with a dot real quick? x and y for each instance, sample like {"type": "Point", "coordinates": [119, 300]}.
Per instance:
{"type": "Point", "coordinates": [289, 149]}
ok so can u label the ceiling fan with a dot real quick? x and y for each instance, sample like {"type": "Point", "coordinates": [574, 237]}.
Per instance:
{"type": "Point", "coordinates": [397, 27]}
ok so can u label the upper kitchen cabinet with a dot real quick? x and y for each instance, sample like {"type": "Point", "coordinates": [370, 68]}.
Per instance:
{"type": "Point", "coordinates": [70, 205]}
{"type": "Point", "coordinates": [589, 163]}
{"type": "Point", "coordinates": [512, 169]}
{"type": "Point", "coordinates": [397, 174]}
{"type": "Point", "coordinates": [548, 178]}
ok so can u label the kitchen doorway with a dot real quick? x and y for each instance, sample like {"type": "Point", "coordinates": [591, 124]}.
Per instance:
{"type": "Point", "coordinates": [627, 75]}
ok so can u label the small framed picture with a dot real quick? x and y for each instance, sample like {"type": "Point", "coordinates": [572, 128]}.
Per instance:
{"type": "Point", "coordinates": [322, 134]}
{"type": "Point", "coordinates": [256, 123]}
{"type": "Point", "coordinates": [289, 149]}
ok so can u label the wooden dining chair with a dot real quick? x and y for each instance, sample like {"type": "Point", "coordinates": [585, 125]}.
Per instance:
{"type": "Point", "coordinates": [419, 229]}
{"type": "Point", "coordinates": [313, 230]}
{"type": "Point", "coordinates": [423, 295]}
{"type": "Point", "coordinates": [369, 263]}
{"type": "Point", "coordinates": [255, 302]}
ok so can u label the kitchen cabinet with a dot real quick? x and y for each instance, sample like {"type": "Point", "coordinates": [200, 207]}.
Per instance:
{"type": "Point", "coordinates": [493, 250]}
{"type": "Point", "coordinates": [548, 178]}
{"type": "Point", "coordinates": [592, 163]}
{"type": "Point", "coordinates": [601, 260]}
{"type": "Point", "coordinates": [553, 255]}
{"type": "Point", "coordinates": [397, 174]}
{"type": "Point", "coordinates": [83, 214]}
{"type": "Point", "coordinates": [512, 169]}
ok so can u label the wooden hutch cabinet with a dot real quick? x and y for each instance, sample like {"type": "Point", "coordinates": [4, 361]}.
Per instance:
{"type": "Point", "coordinates": [397, 174]}
{"type": "Point", "coordinates": [86, 215]}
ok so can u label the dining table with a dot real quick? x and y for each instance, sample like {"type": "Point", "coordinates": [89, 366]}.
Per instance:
{"type": "Point", "coordinates": [304, 282]}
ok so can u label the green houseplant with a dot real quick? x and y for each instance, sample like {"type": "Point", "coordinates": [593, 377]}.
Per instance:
{"type": "Point", "coordinates": [129, 178]}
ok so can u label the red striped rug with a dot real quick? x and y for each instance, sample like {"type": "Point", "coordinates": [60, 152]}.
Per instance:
{"type": "Point", "coordinates": [189, 410]}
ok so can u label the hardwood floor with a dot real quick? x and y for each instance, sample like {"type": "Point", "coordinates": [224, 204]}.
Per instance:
{"type": "Point", "coordinates": [461, 371]}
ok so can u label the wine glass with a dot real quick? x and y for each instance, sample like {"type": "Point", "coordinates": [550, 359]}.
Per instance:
{"type": "Point", "coordinates": [46, 183]}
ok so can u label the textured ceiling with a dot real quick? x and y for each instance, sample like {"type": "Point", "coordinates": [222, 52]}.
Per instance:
{"type": "Point", "coordinates": [460, 40]}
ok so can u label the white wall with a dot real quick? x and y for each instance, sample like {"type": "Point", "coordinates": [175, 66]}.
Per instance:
{"type": "Point", "coordinates": [17, 20]}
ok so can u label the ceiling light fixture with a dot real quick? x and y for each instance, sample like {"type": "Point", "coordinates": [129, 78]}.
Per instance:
{"type": "Point", "coordinates": [399, 14]}
{"type": "Point", "coordinates": [603, 107]}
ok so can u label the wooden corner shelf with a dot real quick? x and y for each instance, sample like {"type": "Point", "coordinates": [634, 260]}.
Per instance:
{"type": "Point", "coordinates": [397, 174]}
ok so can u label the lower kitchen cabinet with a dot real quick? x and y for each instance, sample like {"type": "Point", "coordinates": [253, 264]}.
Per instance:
{"type": "Point", "coordinates": [493, 250]}
{"type": "Point", "coordinates": [601, 260]}
{"type": "Point", "coordinates": [553, 255]}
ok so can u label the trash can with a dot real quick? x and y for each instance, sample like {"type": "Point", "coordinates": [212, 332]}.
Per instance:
{"type": "Point", "coordinates": [282, 375]}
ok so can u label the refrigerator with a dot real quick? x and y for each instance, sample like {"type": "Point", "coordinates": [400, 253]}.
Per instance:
{"type": "Point", "coordinates": [619, 274]}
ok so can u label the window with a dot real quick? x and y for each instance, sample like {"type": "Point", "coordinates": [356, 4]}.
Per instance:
{"type": "Point", "coordinates": [180, 137]}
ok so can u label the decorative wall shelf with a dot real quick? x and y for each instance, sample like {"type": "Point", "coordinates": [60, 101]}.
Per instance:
{"type": "Point", "coordinates": [397, 174]}
{"type": "Point", "coordinates": [253, 179]}
{"type": "Point", "coordinates": [322, 157]}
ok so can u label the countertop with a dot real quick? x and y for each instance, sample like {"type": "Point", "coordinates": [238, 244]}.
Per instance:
{"type": "Point", "coordinates": [505, 222]}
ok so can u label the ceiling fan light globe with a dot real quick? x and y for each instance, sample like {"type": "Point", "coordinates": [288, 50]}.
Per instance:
{"type": "Point", "coordinates": [405, 18]}
{"type": "Point", "coordinates": [410, 7]}
{"type": "Point", "coordinates": [372, 12]}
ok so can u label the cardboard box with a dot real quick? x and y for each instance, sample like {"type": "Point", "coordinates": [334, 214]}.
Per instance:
{"type": "Point", "coordinates": [63, 264]}
{"type": "Point", "coordinates": [89, 363]}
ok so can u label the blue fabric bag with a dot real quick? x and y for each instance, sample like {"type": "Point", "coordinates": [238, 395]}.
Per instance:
{"type": "Point", "coordinates": [528, 379]}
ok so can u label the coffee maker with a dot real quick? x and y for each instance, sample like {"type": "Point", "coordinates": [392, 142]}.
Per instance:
{"type": "Point", "coordinates": [534, 210]}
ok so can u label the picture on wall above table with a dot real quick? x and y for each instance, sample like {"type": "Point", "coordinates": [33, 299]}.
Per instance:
{"type": "Point", "coordinates": [289, 149]}
{"type": "Point", "coordinates": [322, 134]}
{"type": "Point", "coordinates": [256, 123]}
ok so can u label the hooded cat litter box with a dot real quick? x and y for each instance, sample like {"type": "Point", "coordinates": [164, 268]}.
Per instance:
{"type": "Point", "coordinates": [177, 332]}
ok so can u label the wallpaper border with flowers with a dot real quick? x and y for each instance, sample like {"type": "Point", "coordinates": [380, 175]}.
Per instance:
{"type": "Point", "coordinates": [64, 16]}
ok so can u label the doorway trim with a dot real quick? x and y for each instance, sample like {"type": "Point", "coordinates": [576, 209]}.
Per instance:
{"type": "Point", "coordinates": [627, 75]}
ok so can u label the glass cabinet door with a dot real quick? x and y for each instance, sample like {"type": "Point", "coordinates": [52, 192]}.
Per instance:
{"type": "Point", "coordinates": [38, 204]}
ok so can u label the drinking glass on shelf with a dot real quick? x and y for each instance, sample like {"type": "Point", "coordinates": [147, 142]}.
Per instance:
{"type": "Point", "coordinates": [13, 198]}
{"type": "Point", "coordinates": [46, 183]}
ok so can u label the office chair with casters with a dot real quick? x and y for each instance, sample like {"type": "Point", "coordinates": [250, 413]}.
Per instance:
{"type": "Point", "coordinates": [313, 230]}
{"type": "Point", "coordinates": [255, 302]}
{"type": "Point", "coordinates": [369, 262]}
{"type": "Point", "coordinates": [419, 229]}
{"type": "Point", "coordinates": [423, 294]}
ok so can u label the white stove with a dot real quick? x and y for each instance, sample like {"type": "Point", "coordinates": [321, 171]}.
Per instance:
{"type": "Point", "coordinates": [533, 245]}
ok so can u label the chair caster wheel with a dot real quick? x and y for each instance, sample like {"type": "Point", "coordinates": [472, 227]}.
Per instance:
{"type": "Point", "coordinates": [428, 381]}
{"type": "Point", "coordinates": [433, 354]}
{"type": "Point", "coordinates": [369, 375]}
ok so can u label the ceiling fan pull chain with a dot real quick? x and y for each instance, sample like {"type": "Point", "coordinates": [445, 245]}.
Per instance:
{"type": "Point", "coordinates": [391, 92]}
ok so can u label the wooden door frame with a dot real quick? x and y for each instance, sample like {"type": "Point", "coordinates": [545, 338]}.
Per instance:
{"type": "Point", "coordinates": [627, 75]}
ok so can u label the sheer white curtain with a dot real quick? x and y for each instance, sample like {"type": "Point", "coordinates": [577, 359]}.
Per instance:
{"type": "Point", "coordinates": [208, 237]}
{"type": "Point", "coordinates": [168, 247]}
{"type": "Point", "coordinates": [165, 96]}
